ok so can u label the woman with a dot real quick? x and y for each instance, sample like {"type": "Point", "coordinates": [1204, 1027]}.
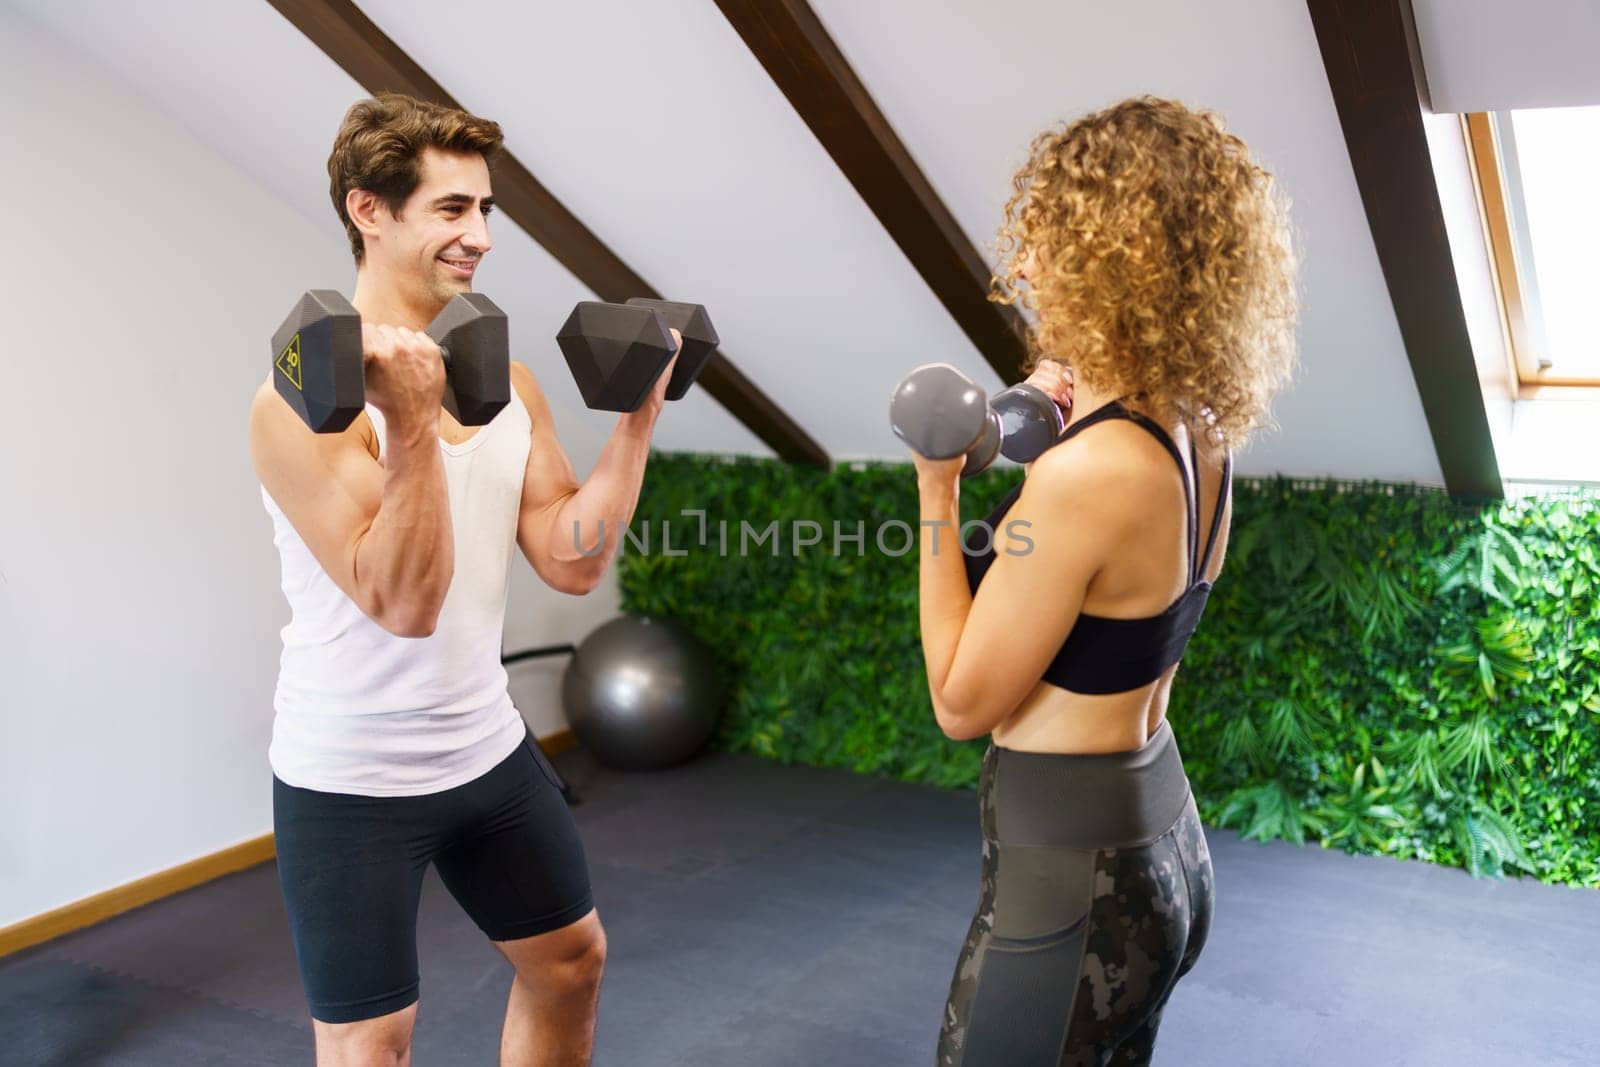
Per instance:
{"type": "Point", "coordinates": [1158, 259]}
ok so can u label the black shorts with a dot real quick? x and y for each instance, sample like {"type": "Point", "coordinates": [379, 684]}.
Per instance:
{"type": "Point", "coordinates": [351, 868]}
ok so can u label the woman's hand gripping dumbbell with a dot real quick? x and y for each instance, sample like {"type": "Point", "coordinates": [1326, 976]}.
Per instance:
{"type": "Point", "coordinates": [941, 414]}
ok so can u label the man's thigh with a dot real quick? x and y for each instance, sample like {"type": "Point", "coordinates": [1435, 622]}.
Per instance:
{"type": "Point", "coordinates": [351, 869]}
{"type": "Point", "coordinates": [518, 870]}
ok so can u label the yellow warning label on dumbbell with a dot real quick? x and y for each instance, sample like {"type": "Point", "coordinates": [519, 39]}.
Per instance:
{"type": "Point", "coordinates": [289, 361]}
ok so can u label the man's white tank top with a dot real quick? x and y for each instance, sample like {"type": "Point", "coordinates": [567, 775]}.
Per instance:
{"type": "Point", "coordinates": [362, 711]}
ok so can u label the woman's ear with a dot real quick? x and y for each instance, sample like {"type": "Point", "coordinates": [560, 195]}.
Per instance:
{"type": "Point", "coordinates": [1028, 265]}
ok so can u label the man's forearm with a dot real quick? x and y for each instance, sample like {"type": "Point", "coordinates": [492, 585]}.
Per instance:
{"type": "Point", "coordinates": [590, 523]}
{"type": "Point", "coordinates": [406, 558]}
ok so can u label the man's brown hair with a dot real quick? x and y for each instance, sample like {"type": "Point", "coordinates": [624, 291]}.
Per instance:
{"type": "Point", "coordinates": [379, 148]}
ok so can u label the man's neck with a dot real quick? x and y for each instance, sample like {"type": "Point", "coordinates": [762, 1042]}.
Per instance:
{"type": "Point", "coordinates": [381, 301]}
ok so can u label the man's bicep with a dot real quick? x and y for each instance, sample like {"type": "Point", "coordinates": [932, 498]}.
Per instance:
{"type": "Point", "coordinates": [327, 485]}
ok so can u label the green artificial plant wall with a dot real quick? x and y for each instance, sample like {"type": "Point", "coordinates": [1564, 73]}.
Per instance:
{"type": "Point", "coordinates": [1380, 669]}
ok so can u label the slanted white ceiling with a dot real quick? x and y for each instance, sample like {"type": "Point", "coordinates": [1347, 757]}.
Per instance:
{"type": "Point", "coordinates": [966, 86]}
{"type": "Point", "coordinates": [1495, 55]}
{"type": "Point", "coordinates": [251, 86]}
{"type": "Point", "coordinates": [656, 126]}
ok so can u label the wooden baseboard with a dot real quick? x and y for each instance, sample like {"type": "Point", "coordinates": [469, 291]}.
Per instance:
{"type": "Point", "coordinates": [558, 742]}
{"type": "Point", "coordinates": [115, 901]}
{"type": "Point", "coordinates": [102, 906]}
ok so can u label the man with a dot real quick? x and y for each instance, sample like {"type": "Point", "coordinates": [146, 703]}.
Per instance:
{"type": "Point", "coordinates": [395, 742]}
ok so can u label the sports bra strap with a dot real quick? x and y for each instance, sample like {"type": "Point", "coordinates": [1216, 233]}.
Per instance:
{"type": "Point", "coordinates": [1191, 511]}
{"type": "Point", "coordinates": [1216, 517]}
{"type": "Point", "coordinates": [1194, 539]}
{"type": "Point", "coordinates": [1115, 410]}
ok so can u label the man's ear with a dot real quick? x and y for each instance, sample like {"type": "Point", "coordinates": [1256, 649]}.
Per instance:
{"type": "Point", "coordinates": [363, 207]}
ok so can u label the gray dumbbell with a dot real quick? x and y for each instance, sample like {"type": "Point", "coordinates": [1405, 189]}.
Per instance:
{"type": "Point", "coordinates": [941, 413]}
{"type": "Point", "coordinates": [1029, 422]}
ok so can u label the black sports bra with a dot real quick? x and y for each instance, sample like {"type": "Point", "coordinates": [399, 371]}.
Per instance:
{"type": "Point", "coordinates": [1104, 655]}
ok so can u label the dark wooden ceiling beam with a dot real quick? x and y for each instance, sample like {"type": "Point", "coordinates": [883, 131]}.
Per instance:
{"type": "Point", "coordinates": [792, 44]}
{"type": "Point", "coordinates": [1367, 51]}
{"type": "Point", "coordinates": [370, 57]}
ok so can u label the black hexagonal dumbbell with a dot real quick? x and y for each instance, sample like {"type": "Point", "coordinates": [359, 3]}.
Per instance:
{"type": "Point", "coordinates": [475, 341]}
{"type": "Point", "coordinates": [617, 351]}
{"type": "Point", "coordinates": [318, 365]}
{"type": "Point", "coordinates": [316, 358]}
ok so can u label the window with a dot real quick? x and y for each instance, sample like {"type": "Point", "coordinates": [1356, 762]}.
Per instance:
{"type": "Point", "coordinates": [1536, 174]}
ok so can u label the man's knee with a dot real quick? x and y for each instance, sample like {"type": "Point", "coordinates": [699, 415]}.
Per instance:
{"type": "Point", "coordinates": [565, 962]}
{"type": "Point", "coordinates": [586, 967]}
{"type": "Point", "coordinates": [384, 1040]}
{"type": "Point", "coordinates": [577, 970]}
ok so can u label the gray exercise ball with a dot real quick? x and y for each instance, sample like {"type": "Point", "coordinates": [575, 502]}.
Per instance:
{"type": "Point", "coordinates": [641, 693]}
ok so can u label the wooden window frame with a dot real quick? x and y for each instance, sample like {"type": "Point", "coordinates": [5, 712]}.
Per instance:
{"type": "Point", "coordinates": [1488, 177]}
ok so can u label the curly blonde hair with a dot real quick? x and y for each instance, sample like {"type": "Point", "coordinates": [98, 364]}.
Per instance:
{"type": "Point", "coordinates": [1164, 264]}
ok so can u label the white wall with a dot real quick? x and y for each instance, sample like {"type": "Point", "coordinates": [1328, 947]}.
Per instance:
{"type": "Point", "coordinates": [139, 599]}
{"type": "Point", "coordinates": [1495, 55]}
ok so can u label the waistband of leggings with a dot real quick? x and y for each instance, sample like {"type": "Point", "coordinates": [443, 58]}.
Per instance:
{"type": "Point", "coordinates": [1089, 800]}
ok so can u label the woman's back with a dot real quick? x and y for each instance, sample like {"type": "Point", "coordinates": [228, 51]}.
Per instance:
{"type": "Point", "coordinates": [1145, 573]}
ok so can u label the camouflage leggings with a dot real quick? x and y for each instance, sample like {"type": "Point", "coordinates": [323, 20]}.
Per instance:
{"type": "Point", "coordinates": [1074, 951]}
